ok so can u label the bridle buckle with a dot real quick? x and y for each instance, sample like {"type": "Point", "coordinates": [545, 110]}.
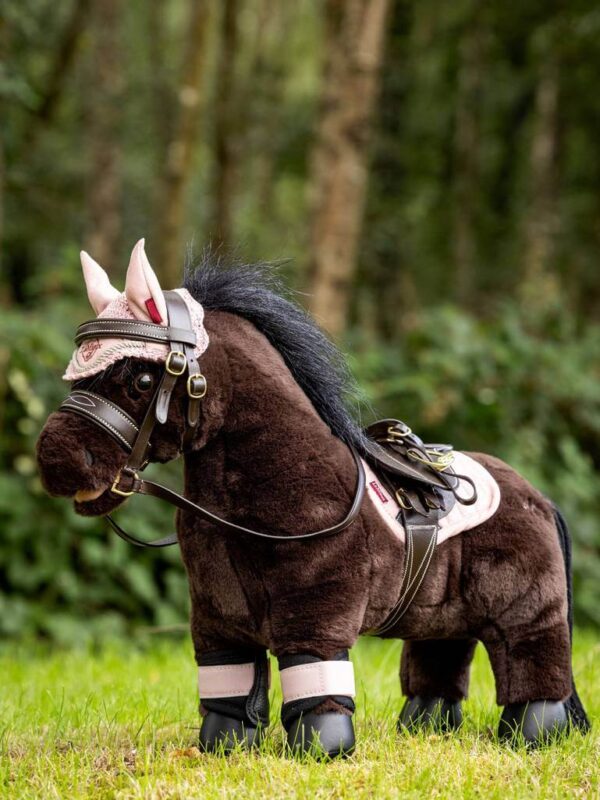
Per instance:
{"type": "Point", "coordinates": [121, 492]}
{"type": "Point", "coordinates": [176, 363]}
{"type": "Point", "coordinates": [192, 382]}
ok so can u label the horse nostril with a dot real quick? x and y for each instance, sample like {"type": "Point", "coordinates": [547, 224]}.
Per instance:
{"type": "Point", "coordinates": [89, 458]}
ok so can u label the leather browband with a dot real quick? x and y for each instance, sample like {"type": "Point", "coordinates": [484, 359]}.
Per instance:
{"type": "Point", "coordinates": [181, 361]}
{"type": "Point", "coordinates": [133, 329]}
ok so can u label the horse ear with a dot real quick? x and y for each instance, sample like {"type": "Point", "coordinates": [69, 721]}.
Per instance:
{"type": "Point", "coordinates": [142, 289]}
{"type": "Point", "coordinates": [99, 289]}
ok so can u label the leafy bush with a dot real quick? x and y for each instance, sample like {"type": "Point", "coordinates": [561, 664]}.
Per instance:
{"type": "Point", "coordinates": [63, 576]}
{"type": "Point", "coordinates": [527, 395]}
{"type": "Point", "coordinates": [526, 390]}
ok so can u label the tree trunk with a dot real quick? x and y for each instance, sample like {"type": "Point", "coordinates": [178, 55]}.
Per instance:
{"type": "Point", "coordinates": [539, 284]}
{"type": "Point", "coordinates": [163, 100]}
{"type": "Point", "coordinates": [226, 139]}
{"type": "Point", "coordinates": [265, 81]}
{"type": "Point", "coordinates": [339, 161]}
{"type": "Point", "coordinates": [3, 110]}
{"type": "Point", "coordinates": [105, 184]}
{"type": "Point", "coordinates": [180, 153]}
{"type": "Point", "coordinates": [64, 57]}
{"type": "Point", "coordinates": [466, 149]}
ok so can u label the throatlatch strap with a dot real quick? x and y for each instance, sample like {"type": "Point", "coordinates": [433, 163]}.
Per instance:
{"type": "Point", "coordinates": [317, 679]}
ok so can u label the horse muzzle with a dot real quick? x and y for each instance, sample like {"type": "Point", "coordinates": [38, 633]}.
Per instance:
{"type": "Point", "coordinates": [76, 460]}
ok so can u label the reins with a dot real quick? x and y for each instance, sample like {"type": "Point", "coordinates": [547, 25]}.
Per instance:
{"type": "Point", "coordinates": [152, 489]}
{"type": "Point", "coordinates": [181, 361]}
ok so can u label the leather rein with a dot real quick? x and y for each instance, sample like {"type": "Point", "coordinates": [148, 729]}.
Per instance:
{"type": "Point", "coordinates": [181, 362]}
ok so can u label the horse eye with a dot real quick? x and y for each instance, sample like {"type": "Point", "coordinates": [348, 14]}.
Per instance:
{"type": "Point", "coordinates": [144, 382]}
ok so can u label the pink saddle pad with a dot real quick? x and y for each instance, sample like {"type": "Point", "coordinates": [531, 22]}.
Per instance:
{"type": "Point", "coordinates": [461, 518]}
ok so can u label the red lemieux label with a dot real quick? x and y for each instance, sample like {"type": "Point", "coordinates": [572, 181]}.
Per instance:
{"type": "Point", "coordinates": [378, 491]}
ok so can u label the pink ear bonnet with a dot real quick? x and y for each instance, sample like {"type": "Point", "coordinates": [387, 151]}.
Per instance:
{"type": "Point", "coordinates": [143, 300]}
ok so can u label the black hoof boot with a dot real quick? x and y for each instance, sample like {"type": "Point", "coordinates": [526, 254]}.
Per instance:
{"type": "Point", "coordinates": [535, 723]}
{"type": "Point", "coordinates": [433, 713]}
{"type": "Point", "coordinates": [221, 734]}
{"type": "Point", "coordinates": [328, 735]}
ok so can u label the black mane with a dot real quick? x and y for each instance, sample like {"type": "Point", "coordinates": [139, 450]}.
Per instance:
{"type": "Point", "coordinates": [255, 292]}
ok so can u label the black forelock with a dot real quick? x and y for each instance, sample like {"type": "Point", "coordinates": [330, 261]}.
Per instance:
{"type": "Point", "coordinates": [257, 293]}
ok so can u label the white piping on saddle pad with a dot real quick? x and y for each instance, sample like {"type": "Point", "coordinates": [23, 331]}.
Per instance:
{"type": "Point", "coordinates": [461, 518]}
{"type": "Point", "coordinates": [94, 355]}
{"type": "Point", "coordinates": [316, 679]}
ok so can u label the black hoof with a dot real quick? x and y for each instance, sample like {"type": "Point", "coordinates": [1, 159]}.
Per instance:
{"type": "Point", "coordinates": [322, 735]}
{"type": "Point", "coordinates": [221, 734]}
{"type": "Point", "coordinates": [535, 723]}
{"type": "Point", "coordinates": [434, 713]}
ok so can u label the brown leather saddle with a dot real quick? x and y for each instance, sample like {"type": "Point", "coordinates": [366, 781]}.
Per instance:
{"type": "Point", "coordinates": [426, 487]}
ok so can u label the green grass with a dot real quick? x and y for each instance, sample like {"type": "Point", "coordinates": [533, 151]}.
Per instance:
{"type": "Point", "coordinates": [121, 722]}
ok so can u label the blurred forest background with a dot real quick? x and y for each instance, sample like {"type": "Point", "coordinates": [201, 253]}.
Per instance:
{"type": "Point", "coordinates": [428, 172]}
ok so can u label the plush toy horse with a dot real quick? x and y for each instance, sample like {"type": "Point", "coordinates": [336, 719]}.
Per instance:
{"type": "Point", "coordinates": [315, 533]}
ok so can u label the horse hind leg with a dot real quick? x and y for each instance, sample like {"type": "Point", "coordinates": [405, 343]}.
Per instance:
{"type": "Point", "coordinates": [533, 682]}
{"type": "Point", "coordinates": [530, 652]}
{"type": "Point", "coordinates": [434, 675]}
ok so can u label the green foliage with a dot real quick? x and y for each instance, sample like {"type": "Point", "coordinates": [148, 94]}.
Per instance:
{"type": "Point", "coordinates": [526, 391]}
{"type": "Point", "coordinates": [63, 576]}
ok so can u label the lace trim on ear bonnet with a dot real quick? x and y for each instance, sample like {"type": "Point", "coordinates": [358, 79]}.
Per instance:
{"type": "Point", "coordinates": [95, 355]}
{"type": "Point", "coordinates": [142, 299]}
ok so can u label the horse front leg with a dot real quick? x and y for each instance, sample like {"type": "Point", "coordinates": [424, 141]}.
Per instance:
{"type": "Point", "coordinates": [233, 684]}
{"type": "Point", "coordinates": [318, 703]}
{"type": "Point", "coordinates": [311, 641]}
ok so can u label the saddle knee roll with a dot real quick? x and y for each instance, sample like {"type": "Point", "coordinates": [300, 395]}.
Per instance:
{"type": "Point", "coordinates": [307, 682]}
{"type": "Point", "coordinates": [235, 684]}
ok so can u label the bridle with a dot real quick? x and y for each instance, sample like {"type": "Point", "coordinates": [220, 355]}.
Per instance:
{"type": "Point", "coordinates": [181, 363]}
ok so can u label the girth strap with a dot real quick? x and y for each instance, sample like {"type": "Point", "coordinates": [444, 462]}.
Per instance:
{"type": "Point", "coordinates": [421, 539]}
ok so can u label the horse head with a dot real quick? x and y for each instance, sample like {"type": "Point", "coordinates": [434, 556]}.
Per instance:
{"type": "Point", "coordinates": [127, 372]}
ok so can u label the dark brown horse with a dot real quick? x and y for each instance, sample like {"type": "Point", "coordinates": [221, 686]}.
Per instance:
{"type": "Point", "coordinates": [270, 447]}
